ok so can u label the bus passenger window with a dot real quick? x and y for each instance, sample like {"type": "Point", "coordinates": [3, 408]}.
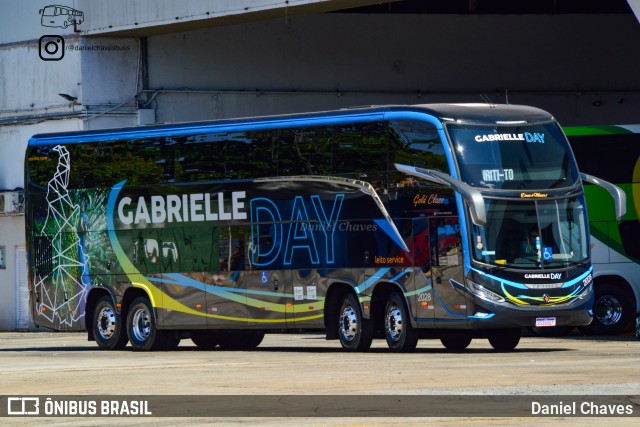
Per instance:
{"type": "Point", "coordinates": [304, 151]}
{"type": "Point", "coordinates": [360, 150]}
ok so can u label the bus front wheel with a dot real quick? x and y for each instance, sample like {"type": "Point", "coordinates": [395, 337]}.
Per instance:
{"type": "Point", "coordinates": [504, 339]}
{"type": "Point", "coordinates": [400, 335]}
{"type": "Point", "coordinates": [108, 329]}
{"type": "Point", "coordinates": [354, 331]}
{"type": "Point", "coordinates": [142, 326]}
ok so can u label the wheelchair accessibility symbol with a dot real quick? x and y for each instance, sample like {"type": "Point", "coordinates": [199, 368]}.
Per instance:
{"type": "Point", "coordinates": [547, 254]}
{"type": "Point", "coordinates": [264, 277]}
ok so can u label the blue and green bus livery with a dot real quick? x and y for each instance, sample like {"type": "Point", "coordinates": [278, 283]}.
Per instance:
{"type": "Point", "coordinates": [395, 222]}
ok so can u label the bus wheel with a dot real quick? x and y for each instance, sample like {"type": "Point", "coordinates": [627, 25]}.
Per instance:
{"type": "Point", "coordinates": [400, 335]}
{"type": "Point", "coordinates": [205, 340]}
{"type": "Point", "coordinates": [504, 339]}
{"type": "Point", "coordinates": [612, 310]}
{"type": "Point", "coordinates": [457, 342]}
{"type": "Point", "coordinates": [141, 326]}
{"type": "Point", "coordinates": [241, 340]}
{"type": "Point", "coordinates": [107, 326]}
{"type": "Point", "coordinates": [355, 332]}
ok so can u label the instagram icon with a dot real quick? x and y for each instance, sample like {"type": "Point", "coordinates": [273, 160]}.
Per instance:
{"type": "Point", "coordinates": [51, 48]}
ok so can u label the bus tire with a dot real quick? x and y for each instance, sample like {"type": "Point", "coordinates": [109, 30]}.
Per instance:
{"type": "Point", "coordinates": [613, 309]}
{"type": "Point", "coordinates": [142, 326]}
{"type": "Point", "coordinates": [205, 340]}
{"type": "Point", "coordinates": [108, 330]}
{"type": "Point", "coordinates": [504, 339]}
{"type": "Point", "coordinates": [354, 331]}
{"type": "Point", "coordinates": [398, 331]}
{"type": "Point", "coordinates": [241, 340]}
{"type": "Point", "coordinates": [455, 342]}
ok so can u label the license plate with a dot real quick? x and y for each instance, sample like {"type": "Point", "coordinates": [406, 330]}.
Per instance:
{"type": "Point", "coordinates": [542, 322]}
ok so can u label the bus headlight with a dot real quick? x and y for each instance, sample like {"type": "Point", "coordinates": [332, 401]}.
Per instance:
{"type": "Point", "coordinates": [482, 292]}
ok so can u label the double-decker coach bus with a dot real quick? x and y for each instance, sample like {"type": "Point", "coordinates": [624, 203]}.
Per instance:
{"type": "Point", "coordinates": [446, 221]}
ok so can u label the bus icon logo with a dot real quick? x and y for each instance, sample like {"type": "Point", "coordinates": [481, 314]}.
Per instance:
{"type": "Point", "coordinates": [60, 16]}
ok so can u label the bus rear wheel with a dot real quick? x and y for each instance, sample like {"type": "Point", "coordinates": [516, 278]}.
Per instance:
{"type": "Point", "coordinates": [504, 339]}
{"type": "Point", "coordinates": [354, 331]}
{"type": "Point", "coordinates": [108, 329]}
{"type": "Point", "coordinates": [457, 342]}
{"type": "Point", "coordinates": [400, 335]}
{"type": "Point", "coordinates": [142, 327]}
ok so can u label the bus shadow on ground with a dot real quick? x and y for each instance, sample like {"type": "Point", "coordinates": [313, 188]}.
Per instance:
{"type": "Point", "coordinates": [279, 349]}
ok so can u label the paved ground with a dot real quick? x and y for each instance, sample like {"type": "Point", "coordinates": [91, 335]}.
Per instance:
{"type": "Point", "coordinates": [291, 365]}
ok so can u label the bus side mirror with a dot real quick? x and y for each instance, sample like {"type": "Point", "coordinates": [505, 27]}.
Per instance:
{"type": "Point", "coordinates": [471, 195]}
{"type": "Point", "coordinates": [619, 196]}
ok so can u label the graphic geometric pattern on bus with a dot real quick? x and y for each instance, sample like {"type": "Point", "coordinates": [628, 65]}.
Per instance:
{"type": "Point", "coordinates": [65, 224]}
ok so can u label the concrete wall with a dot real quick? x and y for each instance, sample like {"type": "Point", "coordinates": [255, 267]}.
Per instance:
{"type": "Point", "coordinates": [561, 63]}
{"type": "Point", "coordinates": [11, 236]}
{"type": "Point", "coordinates": [30, 86]}
{"type": "Point", "coordinates": [13, 142]}
{"type": "Point", "coordinates": [111, 78]}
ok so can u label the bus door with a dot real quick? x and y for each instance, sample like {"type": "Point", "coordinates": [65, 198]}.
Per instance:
{"type": "Point", "coordinates": [423, 303]}
{"type": "Point", "coordinates": [446, 268]}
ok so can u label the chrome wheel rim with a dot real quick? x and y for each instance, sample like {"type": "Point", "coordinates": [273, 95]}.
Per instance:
{"type": "Point", "coordinates": [393, 322]}
{"type": "Point", "coordinates": [348, 324]}
{"type": "Point", "coordinates": [141, 325]}
{"type": "Point", "coordinates": [106, 323]}
{"type": "Point", "coordinates": [608, 310]}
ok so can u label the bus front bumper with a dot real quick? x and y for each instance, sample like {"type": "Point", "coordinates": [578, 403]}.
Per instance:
{"type": "Point", "coordinates": [487, 314]}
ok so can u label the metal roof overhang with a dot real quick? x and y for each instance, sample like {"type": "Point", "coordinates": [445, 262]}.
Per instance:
{"type": "Point", "coordinates": [146, 19]}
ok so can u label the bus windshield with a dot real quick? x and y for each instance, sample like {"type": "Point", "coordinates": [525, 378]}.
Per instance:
{"type": "Point", "coordinates": [513, 157]}
{"type": "Point", "coordinates": [532, 234]}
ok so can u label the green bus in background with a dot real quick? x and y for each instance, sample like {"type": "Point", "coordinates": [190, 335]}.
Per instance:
{"type": "Point", "coordinates": [613, 154]}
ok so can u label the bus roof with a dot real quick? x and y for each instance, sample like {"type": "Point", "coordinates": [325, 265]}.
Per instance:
{"type": "Point", "coordinates": [459, 113]}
